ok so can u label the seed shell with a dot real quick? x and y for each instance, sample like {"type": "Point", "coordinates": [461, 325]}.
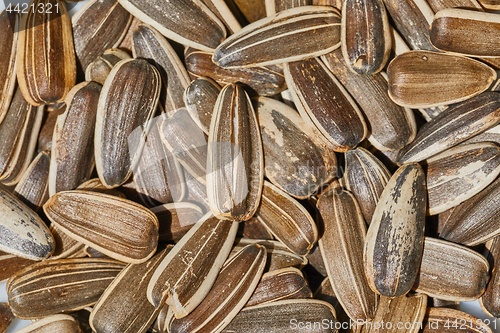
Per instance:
{"type": "Point", "coordinates": [176, 219]}
{"type": "Point", "coordinates": [32, 188]}
{"type": "Point", "coordinates": [99, 69]}
{"type": "Point", "coordinates": [6, 317]}
{"type": "Point", "coordinates": [60, 323]}
{"type": "Point", "coordinates": [490, 300]}
{"type": "Point", "coordinates": [11, 264]}
{"type": "Point", "coordinates": [200, 98]}
{"type": "Point", "coordinates": [9, 25]}
{"type": "Point", "coordinates": [66, 247]}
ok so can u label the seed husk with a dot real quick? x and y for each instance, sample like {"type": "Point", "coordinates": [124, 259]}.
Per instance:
{"type": "Point", "coordinates": [32, 188]}
{"type": "Point", "coordinates": [276, 6]}
{"type": "Point", "coordinates": [457, 124]}
{"type": "Point", "coordinates": [459, 173]}
{"type": "Point", "coordinates": [46, 65]}
{"type": "Point", "coordinates": [265, 80]}
{"type": "Point", "coordinates": [490, 300]}
{"type": "Point", "coordinates": [72, 156]}
{"type": "Point", "coordinates": [438, 5]}
{"type": "Point", "coordinates": [252, 10]}
{"type": "Point", "coordinates": [275, 317]}
{"type": "Point", "coordinates": [341, 247]}
{"type": "Point", "coordinates": [176, 219]}
{"type": "Point", "coordinates": [395, 238]}
{"type": "Point", "coordinates": [287, 220]}
{"type": "Point", "coordinates": [335, 114]}
{"type": "Point", "coordinates": [233, 287]}
{"type": "Point", "coordinates": [366, 36]}
{"type": "Point", "coordinates": [150, 44]}
{"type": "Point", "coordinates": [128, 100]}
{"type": "Point", "coordinates": [99, 69]}
{"type": "Point", "coordinates": [290, 35]}
{"type": "Point", "coordinates": [491, 135]}
{"type": "Point", "coordinates": [11, 264]}
{"type": "Point", "coordinates": [188, 22]}
{"type": "Point", "coordinates": [6, 317]}
{"type": "Point", "coordinates": [200, 98]}
{"type": "Point", "coordinates": [235, 163]}
{"type": "Point", "coordinates": [56, 286]}
{"type": "Point", "coordinates": [66, 247]}
{"type": "Point", "coordinates": [224, 13]}
{"type": "Point", "coordinates": [9, 25]}
{"type": "Point", "coordinates": [117, 227]}
{"type": "Point", "coordinates": [453, 321]}
{"type": "Point", "coordinates": [185, 276]}
{"type": "Point", "coordinates": [254, 229]}
{"type": "Point", "coordinates": [476, 220]}
{"type": "Point", "coordinates": [296, 157]}
{"type": "Point", "coordinates": [421, 79]}
{"type": "Point", "coordinates": [24, 233]}
{"type": "Point", "coordinates": [391, 126]}
{"type": "Point", "coordinates": [366, 177]}
{"type": "Point", "coordinates": [481, 39]}
{"type": "Point", "coordinates": [281, 284]}
{"type": "Point", "coordinates": [100, 25]}
{"type": "Point", "coordinates": [461, 275]}
{"type": "Point", "coordinates": [47, 130]}
{"type": "Point", "coordinates": [60, 323]}
{"type": "Point", "coordinates": [122, 308]}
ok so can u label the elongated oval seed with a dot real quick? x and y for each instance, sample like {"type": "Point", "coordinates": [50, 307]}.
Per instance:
{"type": "Point", "coordinates": [291, 35]}
{"type": "Point", "coordinates": [475, 220]}
{"type": "Point", "coordinates": [185, 276]}
{"type": "Point", "coordinates": [481, 39]}
{"type": "Point", "coordinates": [9, 25]}
{"type": "Point", "coordinates": [323, 101]}
{"type": "Point", "coordinates": [99, 69]}
{"type": "Point", "coordinates": [462, 274]}
{"type": "Point", "coordinates": [287, 220]}
{"type": "Point", "coordinates": [421, 79]}
{"type": "Point", "coordinates": [117, 227]}
{"type": "Point", "coordinates": [188, 22]}
{"type": "Point", "coordinates": [366, 37]}
{"type": "Point", "coordinates": [32, 188]}
{"type": "Point", "coordinates": [46, 65]}
{"type": "Point", "coordinates": [439, 320]}
{"type": "Point", "coordinates": [490, 300]}
{"type": "Point", "coordinates": [128, 99]}
{"type": "Point", "coordinates": [235, 284]}
{"type": "Point", "coordinates": [56, 286]}
{"type": "Point", "coordinates": [200, 98]}
{"type": "Point", "coordinates": [235, 163]}
{"type": "Point", "coordinates": [395, 238]}
{"type": "Point", "coordinates": [23, 232]}
{"type": "Point", "coordinates": [341, 247]}
{"type": "Point", "coordinates": [459, 173]}
{"type": "Point", "coordinates": [60, 323]}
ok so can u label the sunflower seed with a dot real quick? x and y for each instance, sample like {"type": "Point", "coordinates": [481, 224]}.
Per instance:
{"type": "Point", "coordinates": [235, 164]}
{"type": "Point", "coordinates": [483, 31]}
{"type": "Point", "coordinates": [47, 130]}
{"type": "Point", "coordinates": [490, 4]}
{"type": "Point", "coordinates": [56, 286]}
{"type": "Point", "coordinates": [341, 246]}
{"type": "Point", "coordinates": [124, 309]}
{"type": "Point", "coordinates": [120, 111]}
{"type": "Point", "coordinates": [366, 36]}
{"type": "Point", "coordinates": [276, 6]}
{"type": "Point", "coordinates": [187, 22]}
{"type": "Point", "coordinates": [233, 287]}
{"type": "Point", "coordinates": [490, 300]}
{"type": "Point", "coordinates": [117, 227]}
{"type": "Point", "coordinates": [420, 79]}
{"type": "Point", "coordinates": [438, 5]}
{"type": "Point", "coordinates": [99, 69]}
{"type": "Point", "coordinates": [254, 229]}
{"type": "Point", "coordinates": [291, 35]}
{"type": "Point", "coordinates": [60, 323]}
{"type": "Point", "coordinates": [252, 10]}
{"type": "Point", "coordinates": [461, 275]}
{"type": "Point", "coordinates": [366, 177]}
{"type": "Point", "coordinates": [6, 317]}
{"type": "Point", "coordinates": [95, 185]}
{"type": "Point", "coordinates": [335, 114]}
{"type": "Point", "coordinates": [32, 188]}
{"type": "Point", "coordinates": [453, 321]}
{"type": "Point", "coordinates": [11, 264]}
{"type": "Point", "coordinates": [66, 247]}
{"type": "Point", "coordinates": [491, 135]}
{"type": "Point", "coordinates": [459, 173]}
{"type": "Point", "coordinates": [176, 219]}
{"type": "Point", "coordinates": [395, 238]}
{"type": "Point", "coordinates": [200, 98]}
{"type": "Point", "coordinates": [46, 65]}
{"type": "Point", "coordinates": [185, 276]}
{"type": "Point", "coordinates": [296, 157]}
{"type": "Point", "coordinates": [9, 27]}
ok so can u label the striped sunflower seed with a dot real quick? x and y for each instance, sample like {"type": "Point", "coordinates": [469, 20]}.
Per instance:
{"type": "Point", "coordinates": [117, 227]}
{"type": "Point", "coordinates": [6, 317]}
{"type": "Point", "coordinates": [235, 163]}
{"type": "Point", "coordinates": [32, 188]}
{"type": "Point", "coordinates": [395, 238]}
{"type": "Point", "coordinates": [291, 35]}
{"type": "Point", "coordinates": [254, 229]}
{"type": "Point", "coordinates": [200, 98]}
{"type": "Point", "coordinates": [23, 232]}
{"type": "Point", "coordinates": [11, 264]}
{"type": "Point", "coordinates": [99, 69]}
{"type": "Point", "coordinates": [122, 308]}
{"type": "Point", "coordinates": [341, 246]}
{"type": "Point", "coordinates": [366, 37]}
{"type": "Point", "coordinates": [476, 220]}
{"type": "Point", "coordinates": [56, 286]}
{"type": "Point", "coordinates": [461, 275]}
{"type": "Point", "coordinates": [420, 79]}
{"type": "Point", "coordinates": [491, 135]}
{"type": "Point", "coordinates": [483, 31]}
{"type": "Point", "coordinates": [453, 321]}
{"type": "Point", "coordinates": [9, 25]}
{"type": "Point", "coordinates": [233, 287]}
{"type": "Point", "coordinates": [184, 278]}
{"type": "Point", "coordinates": [188, 22]}
{"type": "Point", "coordinates": [490, 300]}
{"type": "Point", "coordinates": [176, 219]}
{"type": "Point", "coordinates": [122, 110]}
{"type": "Point", "coordinates": [224, 13]}
{"type": "Point", "coordinates": [47, 130]}
{"type": "Point", "coordinates": [335, 114]}
{"type": "Point", "coordinates": [66, 247]}
{"type": "Point", "coordinates": [460, 173]}
{"type": "Point", "coordinates": [46, 65]}
{"type": "Point", "coordinates": [438, 5]}
{"type": "Point", "coordinates": [60, 323]}
{"type": "Point", "coordinates": [281, 284]}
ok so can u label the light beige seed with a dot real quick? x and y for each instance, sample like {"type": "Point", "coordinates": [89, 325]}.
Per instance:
{"type": "Point", "coordinates": [60, 323]}
{"type": "Point", "coordinates": [9, 25]}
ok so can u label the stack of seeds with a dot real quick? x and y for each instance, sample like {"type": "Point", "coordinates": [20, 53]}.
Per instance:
{"type": "Point", "coordinates": [250, 166]}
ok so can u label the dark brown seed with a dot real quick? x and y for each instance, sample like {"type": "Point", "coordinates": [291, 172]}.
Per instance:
{"type": "Point", "coordinates": [254, 229]}
{"type": "Point", "coordinates": [9, 25]}
{"type": "Point", "coordinates": [32, 188]}
{"type": "Point", "coordinates": [66, 247]}
{"type": "Point", "coordinates": [6, 317]}
{"type": "Point", "coordinates": [490, 301]}
{"type": "Point", "coordinates": [252, 10]}
{"type": "Point", "coordinates": [47, 130]}
{"type": "Point", "coordinates": [176, 219]}
{"type": "Point", "coordinates": [439, 320]}
{"type": "Point", "coordinates": [200, 98]}
{"type": "Point", "coordinates": [276, 6]}
{"type": "Point", "coordinates": [11, 264]}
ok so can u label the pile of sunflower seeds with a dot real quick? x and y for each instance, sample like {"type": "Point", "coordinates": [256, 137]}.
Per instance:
{"type": "Point", "coordinates": [250, 166]}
